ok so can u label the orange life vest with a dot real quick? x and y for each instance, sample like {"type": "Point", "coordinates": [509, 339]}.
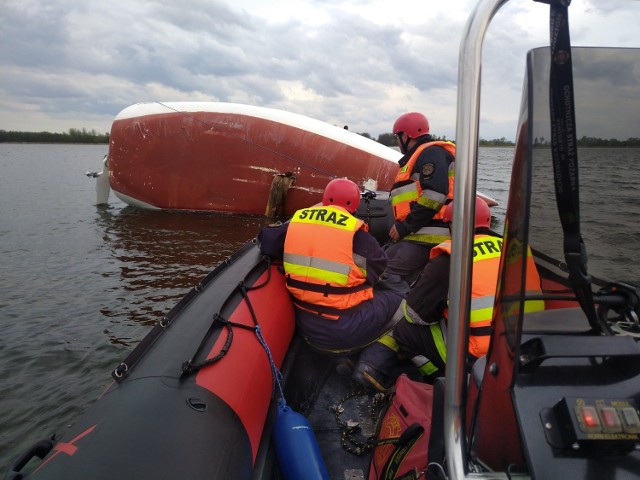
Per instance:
{"type": "Point", "coordinates": [319, 263]}
{"type": "Point", "coordinates": [407, 189]}
{"type": "Point", "coordinates": [486, 268]}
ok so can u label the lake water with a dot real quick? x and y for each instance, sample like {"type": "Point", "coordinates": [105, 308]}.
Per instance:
{"type": "Point", "coordinates": [80, 285]}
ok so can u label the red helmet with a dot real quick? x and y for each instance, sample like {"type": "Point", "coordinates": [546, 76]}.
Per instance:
{"type": "Point", "coordinates": [483, 214]}
{"type": "Point", "coordinates": [343, 193]}
{"type": "Point", "coordinates": [413, 124]}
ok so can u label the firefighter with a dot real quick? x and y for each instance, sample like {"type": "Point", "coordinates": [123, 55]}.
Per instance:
{"type": "Point", "coordinates": [421, 334]}
{"type": "Point", "coordinates": [332, 267]}
{"type": "Point", "coordinates": [422, 188]}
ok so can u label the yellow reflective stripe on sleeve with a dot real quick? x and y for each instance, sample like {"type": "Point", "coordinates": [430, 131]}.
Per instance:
{"type": "Point", "coordinates": [433, 195]}
{"type": "Point", "coordinates": [430, 204]}
{"type": "Point", "coordinates": [433, 239]}
{"type": "Point", "coordinates": [434, 235]}
{"type": "Point", "coordinates": [405, 193]}
{"type": "Point", "coordinates": [427, 369]}
{"type": "Point", "coordinates": [436, 331]}
{"type": "Point", "coordinates": [409, 314]}
{"type": "Point", "coordinates": [438, 339]}
{"type": "Point", "coordinates": [388, 341]}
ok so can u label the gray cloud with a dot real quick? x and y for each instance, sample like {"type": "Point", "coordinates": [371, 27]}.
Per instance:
{"type": "Point", "coordinates": [77, 64]}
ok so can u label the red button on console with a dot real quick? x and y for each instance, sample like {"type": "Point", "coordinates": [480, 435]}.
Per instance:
{"type": "Point", "coordinates": [610, 419]}
{"type": "Point", "coordinates": [588, 418]}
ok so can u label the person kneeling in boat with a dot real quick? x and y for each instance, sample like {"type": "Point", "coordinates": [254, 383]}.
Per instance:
{"type": "Point", "coordinates": [421, 335]}
{"type": "Point", "coordinates": [421, 190]}
{"type": "Point", "coordinates": [333, 266]}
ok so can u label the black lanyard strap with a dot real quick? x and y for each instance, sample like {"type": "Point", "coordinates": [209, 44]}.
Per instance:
{"type": "Point", "coordinates": [564, 152]}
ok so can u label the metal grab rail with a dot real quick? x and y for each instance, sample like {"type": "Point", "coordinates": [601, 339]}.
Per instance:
{"type": "Point", "coordinates": [467, 138]}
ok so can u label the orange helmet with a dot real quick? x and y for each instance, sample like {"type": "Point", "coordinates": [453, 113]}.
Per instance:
{"type": "Point", "coordinates": [483, 214]}
{"type": "Point", "coordinates": [343, 193]}
{"type": "Point", "coordinates": [413, 124]}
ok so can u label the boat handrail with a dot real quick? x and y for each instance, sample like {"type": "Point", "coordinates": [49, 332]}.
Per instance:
{"type": "Point", "coordinates": [467, 138]}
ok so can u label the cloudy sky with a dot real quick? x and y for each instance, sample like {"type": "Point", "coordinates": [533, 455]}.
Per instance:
{"type": "Point", "coordinates": [76, 64]}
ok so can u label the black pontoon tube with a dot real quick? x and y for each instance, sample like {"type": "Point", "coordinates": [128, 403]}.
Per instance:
{"type": "Point", "coordinates": [467, 137]}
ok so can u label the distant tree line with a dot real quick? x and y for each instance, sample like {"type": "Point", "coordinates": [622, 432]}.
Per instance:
{"type": "Point", "coordinates": [74, 135]}
{"type": "Point", "coordinates": [496, 142]}
{"type": "Point", "coordinates": [389, 139]}
{"type": "Point", "coordinates": [594, 142]}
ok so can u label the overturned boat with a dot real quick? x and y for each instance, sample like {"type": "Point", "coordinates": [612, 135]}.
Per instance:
{"type": "Point", "coordinates": [229, 157]}
{"type": "Point", "coordinates": [556, 397]}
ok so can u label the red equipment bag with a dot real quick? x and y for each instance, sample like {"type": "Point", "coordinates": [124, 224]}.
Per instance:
{"type": "Point", "coordinates": [402, 441]}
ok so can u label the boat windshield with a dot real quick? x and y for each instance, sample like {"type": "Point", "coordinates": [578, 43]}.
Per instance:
{"type": "Point", "coordinates": [607, 110]}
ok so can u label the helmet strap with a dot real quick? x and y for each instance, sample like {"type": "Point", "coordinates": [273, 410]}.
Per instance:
{"type": "Point", "coordinates": [404, 145]}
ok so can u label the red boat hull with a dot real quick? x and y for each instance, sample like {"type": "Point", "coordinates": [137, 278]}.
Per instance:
{"type": "Point", "coordinates": [223, 157]}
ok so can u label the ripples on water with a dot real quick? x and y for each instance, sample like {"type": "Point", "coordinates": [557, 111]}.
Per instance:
{"type": "Point", "coordinates": [494, 174]}
{"type": "Point", "coordinates": [80, 285]}
{"type": "Point", "coordinates": [159, 255]}
{"type": "Point", "coordinates": [609, 205]}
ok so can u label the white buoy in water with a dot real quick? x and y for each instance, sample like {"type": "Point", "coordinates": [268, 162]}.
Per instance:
{"type": "Point", "coordinates": [102, 183]}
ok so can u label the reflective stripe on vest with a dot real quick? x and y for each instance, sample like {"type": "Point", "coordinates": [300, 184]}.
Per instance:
{"type": "Point", "coordinates": [437, 334]}
{"type": "Point", "coordinates": [432, 235]}
{"type": "Point", "coordinates": [424, 365]}
{"type": "Point", "coordinates": [532, 285]}
{"type": "Point", "coordinates": [390, 342]}
{"type": "Point", "coordinates": [407, 188]}
{"type": "Point", "coordinates": [321, 269]}
{"type": "Point", "coordinates": [450, 174]}
{"type": "Point", "coordinates": [486, 265]}
{"type": "Point", "coordinates": [319, 262]}
{"type": "Point", "coordinates": [440, 339]}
